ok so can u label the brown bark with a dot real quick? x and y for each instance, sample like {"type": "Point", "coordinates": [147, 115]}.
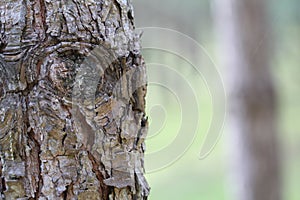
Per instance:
{"type": "Point", "coordinates": [246, 37]}
{"type": "Point", "coordinates": [72, 107]}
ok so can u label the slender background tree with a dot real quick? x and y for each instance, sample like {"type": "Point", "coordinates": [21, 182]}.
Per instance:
{"type": "Point", "coordinates": [244, 32]}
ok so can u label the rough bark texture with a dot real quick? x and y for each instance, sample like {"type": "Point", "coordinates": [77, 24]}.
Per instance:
{"type": "Point", "coordinates": [72, 88]}
{"type": "Point", "coordinates": [245, 34]}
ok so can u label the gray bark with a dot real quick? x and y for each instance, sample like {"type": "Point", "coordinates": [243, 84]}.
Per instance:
{"type": "Point", "coordinates": [72, 101]}
{"type": "Point", "coordinates": [245, 36]}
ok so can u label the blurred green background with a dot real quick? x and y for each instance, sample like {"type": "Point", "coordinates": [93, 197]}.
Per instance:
{"type": "Point", "coordinates": [185, 176]}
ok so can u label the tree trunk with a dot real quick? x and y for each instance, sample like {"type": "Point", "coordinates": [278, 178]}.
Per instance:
{"type": "Point", "coordinates": [72, 107]}
{"type": "Point", "coordinates": [245, 37]}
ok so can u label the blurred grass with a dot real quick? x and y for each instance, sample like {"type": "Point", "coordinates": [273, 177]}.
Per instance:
{"type": "Point", "coordinates": [190, 178]}
{"type": "Point", "coordinates": [193, 179]}
{"type": "Point", "coordinates": [287, 72]}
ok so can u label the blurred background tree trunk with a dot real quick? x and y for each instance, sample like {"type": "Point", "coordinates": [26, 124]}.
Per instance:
{"type": "Point", "coordinates": [72, 88]}
{"type": "Point", "coordinates": [244, 31]}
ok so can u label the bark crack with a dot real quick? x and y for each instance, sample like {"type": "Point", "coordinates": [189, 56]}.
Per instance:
{"type": "Point", "coordinates": [40, 177]}
{"type": "Point", "coordinates": [36, 150]}
{"type": "Point", "coordinates": [104, 190]}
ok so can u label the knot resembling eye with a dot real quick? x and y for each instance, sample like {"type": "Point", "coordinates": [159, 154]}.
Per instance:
{"type": "Point", "coordinates": [62, 74]}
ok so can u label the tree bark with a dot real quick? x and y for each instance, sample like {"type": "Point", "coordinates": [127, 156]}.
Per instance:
{"type": "Point", "coordinates": [72, 101]}
{"type": "Point", "coordinates": [252, 133]}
